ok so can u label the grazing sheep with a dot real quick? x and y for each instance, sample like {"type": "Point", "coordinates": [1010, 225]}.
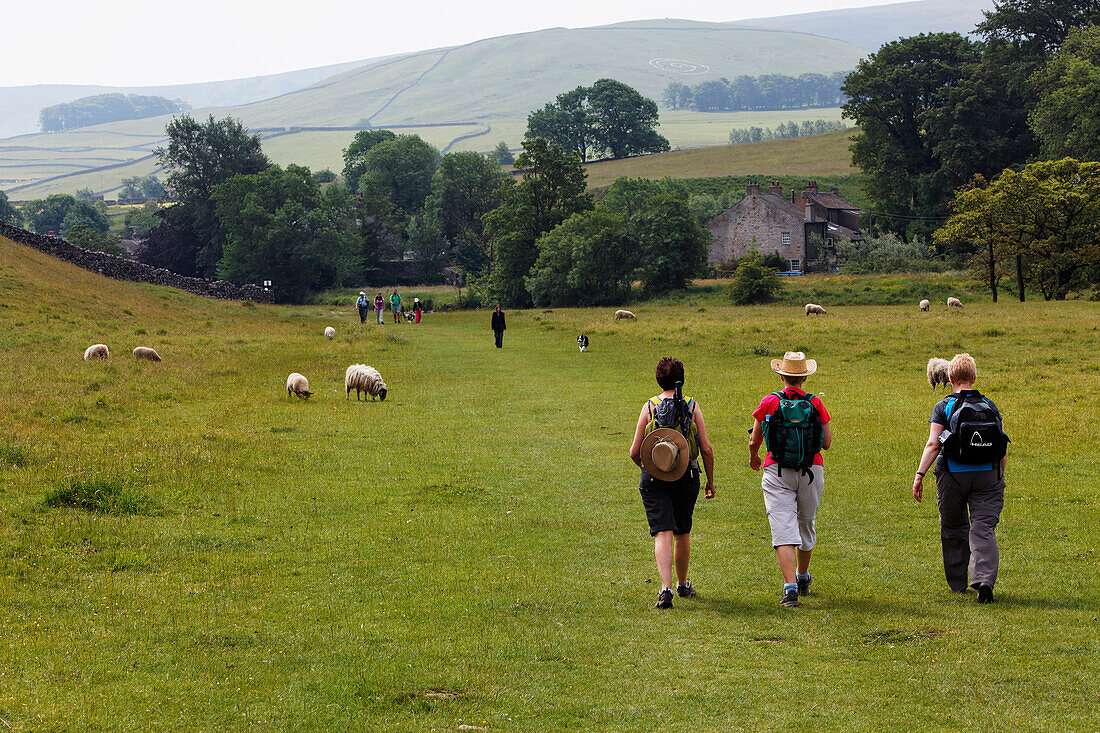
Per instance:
{"type": "Point", "coordinates": [924, 304]}
{"type": "Point", "coordinates": [96, 351]}
{"type": "Point", "coordinates": [330, 333]}
{"type": "Point", "coordinates": [954, 303]}
{"type": "Point", "coordinates": [814, 308]}
{"type": "Point", "coordinates": [623, 314]}
{"type": "Point", "coordinates": [144, 352]}
{"type": "Point", "coordinates": [937, 372]}
{"type": "Point", "coordinates": [363, 378]}
{"type": "Point", "coordinates": [296, 384]}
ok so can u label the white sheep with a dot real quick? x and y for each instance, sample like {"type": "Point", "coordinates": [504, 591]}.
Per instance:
{"type": "Point", "coordinates": [97, 351]}
{"type": "Point", "coordinates": [144, 352]}
{"type": "Point", "coordinates": [623, 314]}
{"type": "Point", "coordinates": [814, 308]}
{"type": "Point", "coordinates": [298, 385]}
{"type": "Point", "coordinates": [363, 378]}
{"type": "Point", "coordinates": [330, 333]}
{"type": "Point", "coordinates": [937, 372]}
{"type": "Point", "coordinates": [924, 304]}
{"type": "Point", "coordinates": [954, 303]}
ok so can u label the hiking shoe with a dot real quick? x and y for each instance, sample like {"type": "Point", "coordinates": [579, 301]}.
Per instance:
{"type": "Point", "coordinates": [804, 585]}
{"type": "Point", "coordinates": [790, 599]}
{"type": "Point", "coordinates": [687, 590]}
{"type": "Point", "coordinates": [664, 599]}
{"type": "Point", "coordinates": [985, 594]}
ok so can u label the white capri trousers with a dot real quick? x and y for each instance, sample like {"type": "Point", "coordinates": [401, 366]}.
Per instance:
{"type": "Point", "coordinates": [791, 501]}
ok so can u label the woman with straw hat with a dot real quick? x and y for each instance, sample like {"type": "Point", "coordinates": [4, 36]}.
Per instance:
{"type": "Point", "coordinates": [792, 496]}
{"type": "Point", "coordinates": [669, 438]}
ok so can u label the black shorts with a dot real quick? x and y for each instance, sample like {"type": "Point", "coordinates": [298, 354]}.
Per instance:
{"type": "Point", "coordinates": [670, 504]}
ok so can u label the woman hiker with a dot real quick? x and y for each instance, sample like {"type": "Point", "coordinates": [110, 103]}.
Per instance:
{"type": "Point", "coordinates": [379, 307]}
{"type": "Point", "coordinates": [669, 438]}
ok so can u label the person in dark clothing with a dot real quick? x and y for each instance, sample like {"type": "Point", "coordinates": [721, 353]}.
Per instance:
{"type": "Point", "coordinates": [363, 306]}
{"type": "Point", "coordinates": [499, 326]}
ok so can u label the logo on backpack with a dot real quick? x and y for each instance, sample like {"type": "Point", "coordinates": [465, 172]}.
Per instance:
{"type": "Point", "coordinates": [971, 414]}
{"type": "Point", "coordinates": [793, 432]}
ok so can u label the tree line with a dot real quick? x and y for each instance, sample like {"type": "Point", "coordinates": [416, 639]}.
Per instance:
{"type": "Point", "coordinates": [784, 130]}
{"type": "Point", "coordinates": [984, 147]}
{"type": "Point", "coordinates": [100, 108]}
{"type": "Point", "coordinates": [765, 92]}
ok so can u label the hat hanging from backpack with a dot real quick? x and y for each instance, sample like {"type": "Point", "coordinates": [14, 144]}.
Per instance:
{"type": "Point", "coordinates": [794, 364]}
{"type": "Point", "coordinates": [665, 454]}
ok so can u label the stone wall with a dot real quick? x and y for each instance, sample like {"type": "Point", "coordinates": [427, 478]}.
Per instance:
{"type": "Point", "coordinates": [121, 268]}
{"type": "Point", "coordinates": [765, 217]}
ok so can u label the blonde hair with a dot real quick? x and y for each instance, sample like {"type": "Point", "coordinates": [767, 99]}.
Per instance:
{"type": "Point", "coordinates": [962, 369]}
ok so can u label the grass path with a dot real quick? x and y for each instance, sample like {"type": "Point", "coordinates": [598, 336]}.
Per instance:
{"type": "Point", "coordinates": [472, 551]}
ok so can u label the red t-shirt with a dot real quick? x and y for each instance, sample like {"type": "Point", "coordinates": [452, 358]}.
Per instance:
{"type": "Point", "coordinates": [771, 402]}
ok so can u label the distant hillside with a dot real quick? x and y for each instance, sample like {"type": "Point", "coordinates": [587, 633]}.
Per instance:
{"type": "Point", "coordinates": [871, 27]}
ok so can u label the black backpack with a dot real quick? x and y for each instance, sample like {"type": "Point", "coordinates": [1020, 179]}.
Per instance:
{"type": "Point", "coordinates": [974, 431]}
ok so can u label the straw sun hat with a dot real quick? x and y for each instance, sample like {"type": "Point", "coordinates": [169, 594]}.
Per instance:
{"type": "Point", "coordinates": [665, 454]}
{"type": "Point", "coordinates": [794, 364]}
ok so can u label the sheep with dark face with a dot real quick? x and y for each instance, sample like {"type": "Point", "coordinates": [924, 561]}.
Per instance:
{"type": "Point", "coordinates": [144, 352]}
{"type": "Point", "coordinates": [619, 315]}
{"type": "Point", "coordinates": [363, 378]}
{"type": "Point", "coordinates": [296, 384]}
{"type": "Point", "coordinates": [924, 305]}
{"type": "Point", "coordinates": [954, 303]}
{"type": "Point", "coordinates": [330, 333]}
{"type": "Point", "coordinates": [937, 372]}
{"type": "Point", "coordinates": [97, 351]}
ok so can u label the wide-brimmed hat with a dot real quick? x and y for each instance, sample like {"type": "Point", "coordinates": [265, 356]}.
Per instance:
{"type": "Point", "coordinates": [665, 454]}
{"type": "Point", "coordinates": [794, 364]}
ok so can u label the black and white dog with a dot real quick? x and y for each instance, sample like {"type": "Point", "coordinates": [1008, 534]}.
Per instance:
{"type": "Point", "coordinates": [582, 341]}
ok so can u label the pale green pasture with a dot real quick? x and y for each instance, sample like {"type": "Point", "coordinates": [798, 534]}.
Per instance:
{"type": "Point", "coordinates": [472, 551]}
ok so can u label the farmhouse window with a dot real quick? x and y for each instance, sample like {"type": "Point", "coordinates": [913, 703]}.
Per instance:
{"type": "Point", "coordinates": [786, 238]}
{"type": "Point", "coordinates": [792, 265]}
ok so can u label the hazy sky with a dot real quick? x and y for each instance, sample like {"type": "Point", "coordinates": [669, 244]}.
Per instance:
{"type": "Point", "coordinates": [130, 43]}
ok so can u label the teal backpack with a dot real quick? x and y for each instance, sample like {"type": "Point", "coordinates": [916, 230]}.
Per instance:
{"type": "Point", "coordinates": [793, 432]}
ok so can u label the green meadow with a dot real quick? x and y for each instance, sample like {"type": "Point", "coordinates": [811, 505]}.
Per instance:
{"type": "Point", "coordinates": [183, 546]}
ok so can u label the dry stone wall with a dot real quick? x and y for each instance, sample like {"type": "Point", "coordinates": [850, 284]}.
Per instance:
{"type": "Point", "coordinates": [121, 268]}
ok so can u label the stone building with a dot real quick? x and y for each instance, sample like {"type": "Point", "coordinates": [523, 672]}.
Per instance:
{"type": "Point", "coordinates": [767, 222]}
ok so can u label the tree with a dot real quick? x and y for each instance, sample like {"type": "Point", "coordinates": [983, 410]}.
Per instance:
{"type": "Point", "coordinates": [753, 282]}
{"type": "Point", "coordinates": [46, 215]}
{"type": "Point", "coordinates": [356, 151]}
{"type": "Point", "coordinates": [1047, 216]}
{"type": "Point", "coordinates": [678, 96]}
{"type": "Point", "coordinates": [278, 228]}
{"type": "Point", "coordinates": [1038, 26]}
{"type": "Point", "coordinates": [85, 194]}
{"type": "Point", "coordinates": [88, 238]}
{"type": "Point", "coordinates": [400, 171]}
{"type": "Point", "coordinates": [503, 154]}
{"type": "Point", "coordinates": [552, 189]}
{"type": "Point", "coordinates": [131, 188]}
{"type": "Point", "coordinates": [1066, 117]}
{"type": "Point", "coordinates": [84, 214]}
{"type": "Point", "coordinates": [929, 121]}
{"type": "Point", "coordinates": [140, 222]}
{"type": "Point", "coordinates": [465, 188]}
{"type": "Point", "coordinates": [9, 213]}
{"type": "Point", "coordinates": [102, 108]}
{"type": "Point", "coordinates": [325, 175]}
{"type": "Point", "coordinates": [587, 260]}
{"type": "Point", "coordinates": [607, 119]}
{"type": "Point", "coordinates": [150, 187]}
{"type": "Point", "coordinates": [198, 157]}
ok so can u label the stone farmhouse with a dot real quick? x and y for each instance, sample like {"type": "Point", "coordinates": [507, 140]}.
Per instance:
{"type": "Point", "coordinates": [768, 222]}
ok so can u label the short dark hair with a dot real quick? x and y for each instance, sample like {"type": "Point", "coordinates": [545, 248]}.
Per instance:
{"type": "Point", "coordinates": [793, 381]}
{"type": "Point", "coordinates": [669, 372]}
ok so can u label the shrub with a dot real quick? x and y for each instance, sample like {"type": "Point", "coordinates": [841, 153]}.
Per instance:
{"type": "Point", "coordinates": [102, 497]}
{"type": "Point", "coordinates": [887, 253]}
{"type": "Point", "coordinates": [753, 282]}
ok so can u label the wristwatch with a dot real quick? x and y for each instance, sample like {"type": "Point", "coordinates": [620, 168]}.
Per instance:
{"type": "Point", "coordinates": [921, 473]}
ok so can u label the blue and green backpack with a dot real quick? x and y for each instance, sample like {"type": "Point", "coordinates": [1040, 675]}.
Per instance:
{"type": "Point", "coordinates": [793, 432]}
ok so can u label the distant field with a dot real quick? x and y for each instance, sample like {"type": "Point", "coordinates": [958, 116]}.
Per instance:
{"type": "Point", "coordinates": [185, 547]}
{"type": "Point", "coordinates": [825, 154]}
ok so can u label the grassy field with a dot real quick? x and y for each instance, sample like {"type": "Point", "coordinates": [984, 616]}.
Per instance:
{"type": "Point", "coordinates": [472, 551]}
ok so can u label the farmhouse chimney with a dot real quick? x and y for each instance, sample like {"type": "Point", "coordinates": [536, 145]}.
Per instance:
{"type": "Point", "coordinates": [811, 186]}
{"type": "Point", "coordinates": [776, 188]}
{"type": "Point", "coordinates": [752, 188]}
{"type": "Point", "coordinates": [810, 212]}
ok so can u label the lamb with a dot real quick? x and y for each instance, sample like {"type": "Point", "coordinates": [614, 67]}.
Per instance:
{"type": "Point", "coordinates": [924, 304]}
{"type": "Point", "coordinates": [954, 303]}
{"type": "Point", "coordinates": [97, 351]}
{"type": "Point", "coordinates": [144, 352]}
{"type": "Point", "coordinates": [814, 308]}
{"type": "Point", "coordinates": [363, 378]}
{"type": "Point", "coordinates": [623, 314]}
{"type": "Point", "coordinates": [937, 372]}
{"type": "Point", "coordinates": [330, 333]}
{"type": "Point", "coordinates": [296, 384]}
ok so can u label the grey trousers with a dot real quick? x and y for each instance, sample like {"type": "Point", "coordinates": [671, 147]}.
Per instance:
{"type": "Point", "coordinates": [970, 506]}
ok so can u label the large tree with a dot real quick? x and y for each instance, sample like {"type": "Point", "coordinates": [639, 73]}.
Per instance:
{"type": "Point", "coordinates": [553, 188]}
{"type": "Point", "coordinates": [607, 119]}
{"type": "Point", "coordinates": [356, 152]}
{"type": "Point", "coordinates": [933, 111]}
{"type": "Point", "coordinates": [587, 260]}
{"type": "Point", "coordinates": [199, 156]}
{"type": "Point", "coordinates": [1067, 118]}
{"type": "Point", "coordinates": [400, 172]}
{"type": "Point", "coordinates": [279, 227]}
{"type": "Point", "coordinates": [1046, 217]}
{"type": "Point", "coordinates": [464, 188]}
{"type": "Point", "coordinates": [1039, 26]}
{"type": "Point", "coordinates": [9, 213]}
